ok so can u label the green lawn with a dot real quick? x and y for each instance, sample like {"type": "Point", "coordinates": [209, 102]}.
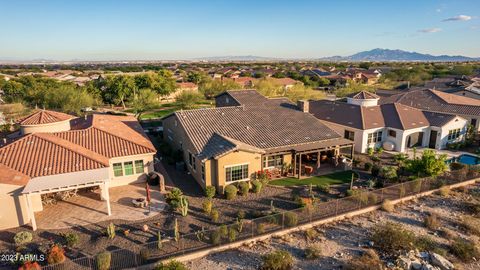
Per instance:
{"type": "Point", "coordinates": [157, 114]}
{"type": "Point", "coordinates": [331, 179]}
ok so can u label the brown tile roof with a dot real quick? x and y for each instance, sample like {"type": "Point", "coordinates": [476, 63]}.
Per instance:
{"type": "Point", "coordinates": [11, 177]}
{"type": "Point", "coordinates": [364, 95]}
{"type": "Point", "coordinates": [45, 117]}
{"type": "Point", "coordinates": [436, 101]}
{"type": "Point", "coordinates": [186, 85]}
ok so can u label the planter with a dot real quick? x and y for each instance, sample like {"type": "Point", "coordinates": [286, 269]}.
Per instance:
{"type": "Point", "coordinates": [140, 202]}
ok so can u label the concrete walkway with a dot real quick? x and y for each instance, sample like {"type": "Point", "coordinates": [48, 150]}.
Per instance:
{"type": "Point", "coordinates": [87, 208]}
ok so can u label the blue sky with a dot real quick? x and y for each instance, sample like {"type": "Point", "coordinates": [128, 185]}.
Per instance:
{"type": "Point", "coordinates": [181, 29]}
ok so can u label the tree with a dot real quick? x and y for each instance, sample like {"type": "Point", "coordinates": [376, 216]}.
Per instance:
{"type": "Point", "coordinates": [427, 165]}
{"type": "Point", "coordinates": [195, 77]}
{"type": "Point", "coordinates": [145, 100]}
{"type": "Point", "coordinates": [166, 83]}
{"type": "Point", "coordinates": [118, 89]}
{"type": "Point", "coordinates": [210, 88]}
{"type": "Point", "coordinates": [188, 99]}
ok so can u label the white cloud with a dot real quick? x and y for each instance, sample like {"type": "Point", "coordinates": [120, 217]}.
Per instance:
{"type": "Point", "coordinates": [430, 30]}
{"type": "Point", "coordinates": [458, 18]}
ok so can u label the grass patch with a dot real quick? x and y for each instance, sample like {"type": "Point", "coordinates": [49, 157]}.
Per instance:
{"type": "Point", "coordinates": [157, 114]}
{"type": "Point", "coordinates": [330, 179]}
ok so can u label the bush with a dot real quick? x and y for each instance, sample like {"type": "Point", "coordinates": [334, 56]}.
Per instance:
{"type": "Point", "coordinates": [223, 230]}
{"type": "Point", "coordinates": [232, 234]}
{"type": "Point", "coordinates": [375, 170]}
{"type": "Point", "coordinates": [426, 243]}
{"type": "Point", "coordinates": [207, 206]}
{"type": "Point", "coordinates": [30, 266]}
{"type": "Point", "coordinates": [290, 219]}
{"type": "Point", "coordinates": [368, 166]}
{"type": "Point", "coordinates": [444, 191]}
{"type": "Point", "coordinates": [388, 172]}
{"type": "Point", "coordinates": [104, 260]}
{"type": "Point", "coordinates": [244, 188]}
{"type": "Point", "coordinates": [210, 192]}
{"type": "Point", "coordinates": [471, 225]}
{"type": "Point", "coordinates": [171, 265]}
{"type": "Point", "coordinates": [215, 237]}
{"type": "Point", "coordinates": [324, 187]}
{"type": "Point", "coordinates": [464, 250]}
{"type": "Point", "coordinates": [311, 233]}
{"type": "Point", "coordinates": [392, 237]}
{"type": "Point", "coordinates": [214, 215]}
{"type": "Point", "coordinates": [256, 186]}
{"type": "Point", "coordinates": [277, 260]}
{"type": "Point", "coordinates": [368, 261]}
{"type": "Point", "coordinates": [240, 214]}
{"type": "Point", "coordinates": [22, 238]}
{"type": "Point", "coordinates": [372, 198]}
{"type": "Point", "coordinates": [231, 192]}
{"type": "Point", "coordinates": [313, 252]}
{"type": "Point", "coordinates": [173, 198]}
{"type": "Point", "coordinates": [431, 221]}
{"type": "Point", "coordinates": [388, 206]}
{"type": "Point", "coordinates": [71, 239]}
{"type": "Point", "coordinates": [260, 228]}
{"type": "Point", "coordinates": [56, 255]}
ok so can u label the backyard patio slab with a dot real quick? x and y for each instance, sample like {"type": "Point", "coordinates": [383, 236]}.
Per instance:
{"type": "Point", "coordinates": [87, 208]}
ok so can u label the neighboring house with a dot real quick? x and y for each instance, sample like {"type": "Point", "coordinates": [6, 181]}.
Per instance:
{"type": "Point", "coordinates": [247, 133]}
{"type": "Point", "coordinates": [440, 102]}
{"type": "Point", "coordinates": [392, 126]}
{"type": "Point", "coordinates": [286, 83]}
{"type": "Point", "coordinates": [58, 152]}
{"type": "Point", "coordinates": [246, 82]}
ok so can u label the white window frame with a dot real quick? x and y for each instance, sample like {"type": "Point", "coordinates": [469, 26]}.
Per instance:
{"type": "Point", "coordinates": [239, 180]}
{"type": "Point", "coordinates": [375, 137]}
{"type": "Point", "coordinates": [454, 134]}
{"type": "Point", "coordinates": [275, 159]}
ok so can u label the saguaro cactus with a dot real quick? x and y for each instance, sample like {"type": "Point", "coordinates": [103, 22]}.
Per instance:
{"type": "Point", "coordinates": [111, 230]}
{"type": "Point", "coordinates": [183, 206]}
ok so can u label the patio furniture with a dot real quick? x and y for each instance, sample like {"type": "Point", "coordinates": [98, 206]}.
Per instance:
{"type": "Point", "coordinates": [140, 202]}
{"type": "Point", "coordinates": [308, 169]}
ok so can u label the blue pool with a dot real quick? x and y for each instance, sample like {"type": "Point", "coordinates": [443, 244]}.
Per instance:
{"type": "Point", "coordinates": [465, 159]}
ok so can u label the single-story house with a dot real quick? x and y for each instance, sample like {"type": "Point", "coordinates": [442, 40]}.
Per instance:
{"type": "Point", "coordinates": [393, 126]}
{"type": "Point", "coordinates": [58, 152]}
{"type": "Point", "coordinates": [246, 133]}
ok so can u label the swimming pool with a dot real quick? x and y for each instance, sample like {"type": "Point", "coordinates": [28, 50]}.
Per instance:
{"type": "Point", "coordinates": [465, 159]}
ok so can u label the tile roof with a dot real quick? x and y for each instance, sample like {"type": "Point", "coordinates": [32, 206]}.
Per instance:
{"type": "Point", "coordinates": [259, 122]}
{"type": "Point", "coordinates": [436, 101]}
{"type": "Point", "coordinates": [44, 117]}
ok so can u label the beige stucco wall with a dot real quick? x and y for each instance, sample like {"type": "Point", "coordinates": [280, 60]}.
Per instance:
{"type": "Point", "coordinates": [13, 211]}
{"type": "Point", "coordinates": [254, 161]}
{"type": "Point", "coordinates": [50, 128]}
{"type": "Point", "coordinates": [129, 179]}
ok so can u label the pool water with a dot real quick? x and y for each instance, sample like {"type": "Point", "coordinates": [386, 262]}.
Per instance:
{"type": "Point", "coordinates": [466, 159]}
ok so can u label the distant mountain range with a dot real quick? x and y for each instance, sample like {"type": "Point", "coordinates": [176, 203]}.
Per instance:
{"type": "Point", "coordinates": [397, 55]}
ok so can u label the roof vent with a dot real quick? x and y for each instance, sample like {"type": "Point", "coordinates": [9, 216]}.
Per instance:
{"type": "Point", "coordinates": [307, 138]}
{"type": "Point", "coordinates": [247, 127]}
{"type": "Point", "coordinates": [223, 113]}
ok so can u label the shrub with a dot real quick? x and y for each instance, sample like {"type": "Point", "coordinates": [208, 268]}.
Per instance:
{"type": "Point", "coordinates": [240, 214]}
{"type": "Point", "coordinates": [388, 206]}
{"type": "Point", "coordinates": [448, 234]}
{"type": "Point", "coordinates": [231, 192]}
{"type": "Point", "coordinates": [173, 198]}
{"type": "Point", "coordinates": [372, 198]}
{"type": "Point", "coordinates": [214, 215]}
{"type": "Point", "coordinates": [71, 239]}
{"type": "Point", "coordinates": [256, 186]}
{"type": "Point", "coordinates": [368, 261]}
{"type": "Point", "coordinates": [277, 260]}
{"type": "Point", "coordinates": [223, 230]}
{"type": "Point", "coordinates": [244, 188]}
{"type": "Point", "coordinates": [104, 260]}
{"type": "Point", "coordinates": [444, 191]}
{"type": "Point", "coordinates": [388, 172]}
{"type": "Point", "coordinates": [311, 233]}
{"type": "Point", "coordinates": [171, 265]}
{"type": "Point", "coordinates": [368, 166]}
{"type": "Point", "coordinates": [215, 237]}
{"type": "Point", "coordinates": [260, 228]}
{"type": "Point", "coordinates": [464, 250]}
{"type": "Point", "coordinates": [207, 206]}
{"type": "Point", "coordinates": [290, 219]}
{"type": "Point", "coordinates": [22, 238]}
{"type": "Point", "coordinates": [392, 237]}
{"type": "Point", "coordinates": [56, 255]}
{"type": "Point", "coordinates": [313, 252]}
{"type": "Point", "coordinates": [210, 192]}
{"type": "Point", "coordinates": [471, 225]}
{"type": "Point", "coordinates": [375, 170]}
{"type": "Point", "coordinates": [30, 266]}
{"type": "Point", "coordinates": [426, 243]}
{"type": "Point", "coordinates": [324, 187]}
{"type": "Point", "coordinates": [232, 234]}
{"type": "Point", "coordinates": [431, 221]}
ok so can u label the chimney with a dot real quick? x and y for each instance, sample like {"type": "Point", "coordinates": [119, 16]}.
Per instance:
{"type": "Point", "coordinates": [303, 105]}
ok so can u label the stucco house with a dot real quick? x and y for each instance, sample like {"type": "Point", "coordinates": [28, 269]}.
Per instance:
{"type": "Point", "coordinates": [393, 126]}
{"type": "Point", "coordinates": [246, 133]}
{"type": "Point", "coordinates": [58, 152]}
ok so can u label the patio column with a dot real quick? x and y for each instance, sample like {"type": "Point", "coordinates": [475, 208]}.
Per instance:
{"type": "Point", "coordinates": [107, 198]}
{"type": "Point", "coordinates": [318, 159]}
{"type": "Point", "coordinates": [31, 213]}
{"type": "Point", "coordinates": [300, 166]}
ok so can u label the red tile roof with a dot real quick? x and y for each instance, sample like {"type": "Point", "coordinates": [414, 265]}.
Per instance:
{"type": "Point", "coordinates": [45, 117]}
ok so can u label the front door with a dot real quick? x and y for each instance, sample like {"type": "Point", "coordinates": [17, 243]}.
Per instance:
{"type": "Point", "coordinates": [433, 139]}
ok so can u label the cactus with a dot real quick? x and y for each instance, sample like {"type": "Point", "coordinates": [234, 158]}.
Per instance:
{"type": "Point", "coordinates": [111, 230]}
{"type": "Point", "coordinates": [239, 225]}
{"type": "Point", "coordinates": [176, 232]}
{"type": "Point", "coordinates": [183, 206]}
{"type": "Point", "coordinates": [159, 240]}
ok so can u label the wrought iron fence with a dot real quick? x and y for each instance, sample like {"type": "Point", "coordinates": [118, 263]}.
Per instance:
{"type": "Point", "coordinates": [247, 229]}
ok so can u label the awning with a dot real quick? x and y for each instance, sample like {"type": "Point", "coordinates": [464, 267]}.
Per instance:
{"type": "Point", "coordinates": [66, 181]}
{"type": "Point", "coordinates": [313, 146]}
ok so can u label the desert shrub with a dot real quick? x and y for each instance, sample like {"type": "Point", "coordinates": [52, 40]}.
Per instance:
{"type": "Point", "coordinates": [240, 214]}
{"type": "Point", "coordinates": [388, 172]}
{"type": "Point", "coordinates": [103, 260]}
{"type": "Point", "coordinates": [311, 234]}
{"type": "Point", "coordinates": [431, 221]}
{"type": "Point", "coordinates": [464, 250]}
{"type": "Point", "coordinates": [171, 265]}
{"type": "Point", "coordinates": [71, 239]}
{"type": "Point", "coordinates": [207, 206]}
{"type": "Point", "coordinates": [313, 252]}
{"type": "Point", "coordinates": [455, 166]}
{"type": "Point", "coordinates": [392, 237]}
{"type": "Point", "coordinates": [30, 266]}
{"type": "Point", "coordinates": [260, 228]}
{"type": "Point", "coordinates": [448, 234]}
{"type": "Point", "coordinates": [277, 260]}
{"type": "Point", "coordinates": [290, 219]}
{"type": "Point", "coordinates": [444, 191]}
{"type": "Point", "coordinates": [471, 225]}
{"type": "Point", "coordinates": [425, 243]}
{"type": "Point", "coordinates": [256, 186]}
{"type": "Point", "coordinates": [223, 230]}
{"type": "Point", "coordinates": [56, 255]}
{"type": "Point", "coordinates": [368, 166]}
{"type": "Point", "coordinates": [214, 215]}
{"type": "Point", "coordinates": [231, 192]}
{"type": "Point", "coordinates": [22, 238]}
{"type": "Point", "coordinates": [232, 234]}
{"type": "Point", "coordinates": [373, 198]}
{"type": "Point", "coordinates": [210, 192]}
{"type": "Point", "coordinates": [173, 198]}
{"type": "Point", "coordinates": [375, 170]}
{"type": "Point", "coordinates": [388, 206]}
{"type": "Point", "coordinates": [324, 187]}
{"type": "Point", "coordinates": [215, 237]}
{"type": "Point", "coordinates": [368, 261]}
{"type": "Point", "coordinates": [244, 188]}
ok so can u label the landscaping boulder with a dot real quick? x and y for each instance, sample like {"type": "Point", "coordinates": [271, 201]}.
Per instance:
{"type": "Point", "coordinates": [440, 261]}
{"type": "Point", "coordinates": [404, 263]}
